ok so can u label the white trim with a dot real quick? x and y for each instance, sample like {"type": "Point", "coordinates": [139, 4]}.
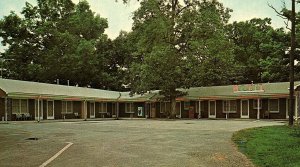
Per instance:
{"type": "Point", "coordinates": [48, 117]}
{"type": "Point", "coordinates": [258, 104]}
{"type": "Point", "coordinates": [41, 109]}
{"type": "Point", "coordinates": [288, 108]}
{"type": "Point", "coordinates": [85, 109]}
{"type": "Point", "coordinates": [248, 106]}
{"type": "Point", "coordinates": [273, 111]}
{"type": "Point", "coordinates": [212, 116]}
{"type": "Point", "coordinates": [92, 105]}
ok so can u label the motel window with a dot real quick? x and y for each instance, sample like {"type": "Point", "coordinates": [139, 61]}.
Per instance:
{"type": "Point", "coordinates": [274, 105]}
{"type": "Point", "coordinates": [102, 107]}
{"type": "Point", "coordinates": [229, 106]}
{"type": "Point", "coordinates": [19, 106]}
{"type": "Point", "coordinates": [129, 108]}
{"type": "Point", "coordinates": [15, 106]}
{"type": "Point", "coordinates": [67, 107]}
{"type": "Point", "coordinates": [255, 104]}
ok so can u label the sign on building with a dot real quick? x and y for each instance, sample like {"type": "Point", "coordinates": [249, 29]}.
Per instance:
{"type": "Point", "coordinates": [248, 88]}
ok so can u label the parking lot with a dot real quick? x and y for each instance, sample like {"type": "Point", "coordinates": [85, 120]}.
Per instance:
{"type": "Point", "coordinates": [124, 143]}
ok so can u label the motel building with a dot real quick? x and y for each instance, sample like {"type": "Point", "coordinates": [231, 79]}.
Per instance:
{"type": "Point", "coordinates": [23, 100]}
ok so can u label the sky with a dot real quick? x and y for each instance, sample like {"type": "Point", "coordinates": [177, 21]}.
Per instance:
{"type": "Point", "coordinates": [119, 15]}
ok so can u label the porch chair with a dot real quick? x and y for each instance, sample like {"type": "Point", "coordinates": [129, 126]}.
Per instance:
{"type": "Point", "coordinates": [27, 116]}
{"type": "Point", "coordinates": [18, 116]}
{"type": "Point", "coordinates": [76, 115]}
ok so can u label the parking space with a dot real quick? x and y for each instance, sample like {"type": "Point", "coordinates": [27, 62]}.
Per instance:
{"type": "Point", "coordinates": [124, 143]}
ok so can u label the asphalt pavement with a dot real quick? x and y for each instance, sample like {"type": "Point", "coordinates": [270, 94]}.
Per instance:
{"type": "Point", "coordinates": [124, 143]}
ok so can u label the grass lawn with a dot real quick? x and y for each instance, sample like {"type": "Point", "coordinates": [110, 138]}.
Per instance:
{"type": "Point", "coordinates": [273, 146]}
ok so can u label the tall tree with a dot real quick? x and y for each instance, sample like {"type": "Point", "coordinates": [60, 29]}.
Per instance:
{"type": "Point", "coordinates": [55, 39]}
{"type": "Point", "coordinates": [177, 43]}
{"type": "Point", "coordinates": [117, 56]}
{"type": "Point", "coordinates": [259, 51]}
{"type": "Point", "coordinates": [290, 15]}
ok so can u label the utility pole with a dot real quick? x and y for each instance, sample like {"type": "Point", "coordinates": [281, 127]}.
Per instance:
{"type": "Point", "coordinates": [292, 58]}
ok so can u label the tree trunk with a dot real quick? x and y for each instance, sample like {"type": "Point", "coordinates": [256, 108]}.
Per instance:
{"type": "Point", "coordinates": [173, 107]}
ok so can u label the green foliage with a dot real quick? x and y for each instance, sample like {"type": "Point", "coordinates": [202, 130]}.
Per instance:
{"type": "Point", "coordinates": [259, 51]}
{"type": "Point", "coordinates": [177, 43]}
{"type": "Point", "coordinates": [56, 39]}
{"type": "Point", "coordinates": [174, 44]}
{"type": "Point", "coordinates": [177, 46]}
{"type": "Point", "coordinates": [269, 146]}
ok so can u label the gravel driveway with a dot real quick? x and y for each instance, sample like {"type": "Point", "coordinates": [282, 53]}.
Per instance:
{"type": "Point", "coordinates": [125, 143]}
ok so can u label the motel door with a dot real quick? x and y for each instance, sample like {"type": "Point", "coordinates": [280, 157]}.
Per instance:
{"type": "Point", "coordinates": [244, 108]}
{"type": "Point", "coordinates": [153, 110]}
{"type": "Point", "coordinates": [50, 109]}
{"type": "Point", "coordinates": [92, 109]}
{"type": "Point", "coordinates": [38, 107]}
{"type": "Point", "coordinates": [114, 110]}
{"type": "Point", "coordinates": [212, 109]}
